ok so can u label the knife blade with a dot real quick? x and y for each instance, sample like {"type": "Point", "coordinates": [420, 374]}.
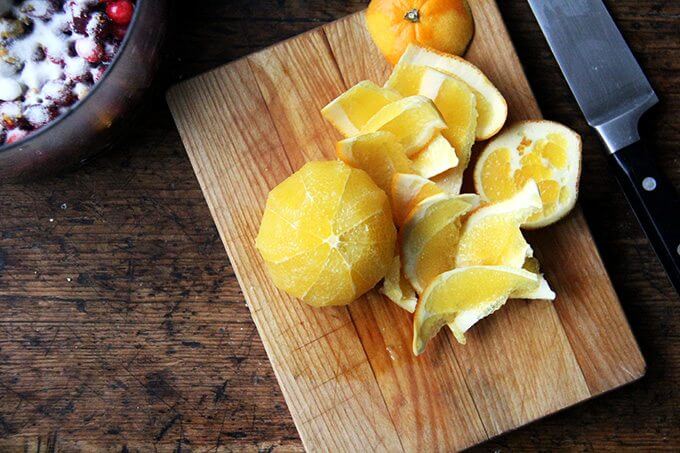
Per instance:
{"type": "Point", "coordinates": [613, 93]}
{"type": "Point", "coordinates": [601, 71]}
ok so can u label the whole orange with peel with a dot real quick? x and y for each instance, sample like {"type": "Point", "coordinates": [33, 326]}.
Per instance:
{"type": "Point", "coordinates": [445, 25]}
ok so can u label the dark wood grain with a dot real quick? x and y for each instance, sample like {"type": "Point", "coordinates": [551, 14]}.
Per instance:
{"type": "Point", "coordinates": [122, 325]}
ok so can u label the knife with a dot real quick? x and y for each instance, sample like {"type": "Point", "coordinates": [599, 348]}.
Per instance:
{"type": "Point", "coordinates": [613, 92]}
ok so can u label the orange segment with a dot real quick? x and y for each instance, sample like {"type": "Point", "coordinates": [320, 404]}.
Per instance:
{"type": "Point", "coordinates": [461, 297]}
{"type": "Point", "coordinates": [429, 237]}
{"type": "Point", "coordinates": [274, 226]}
{"type": "Point", "coordinates": [357, 204]}
{"type": "Point", "coordinates": [334, 285]}
{"type": "Point", "coordinates": [379, 154]}
{"type": "Point", "coordinates": [408, 191]}
{"type": "Point", "coordinates": [553, 151]}
{"type": "Point", "coordinates": [413, 120]}
{"type": "Point", "coordinates": [491, 107]}
{"type": "Point", "coordinates": [299, 272]}
{"type": "Point", "coordinates": [350, 111]}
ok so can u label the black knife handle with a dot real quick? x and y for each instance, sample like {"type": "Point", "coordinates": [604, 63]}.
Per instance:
{"type": "Point", "coordinates": [655, 202]}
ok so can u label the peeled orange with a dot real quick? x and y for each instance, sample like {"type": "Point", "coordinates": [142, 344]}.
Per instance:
{"type": "Point", "coordinates": [327, 235]}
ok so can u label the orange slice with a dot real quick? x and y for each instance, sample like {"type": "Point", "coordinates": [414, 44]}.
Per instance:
{"type": "Point", "coordinates": [414, 120]}
{"type": "Point", "coordinates": [407, 192]}
{"type": "Point", "coordinates": [546, 152]}
{"type": "Point", "coordinates": [461, 297]}
{"type": "Point", "coordinates": [544, 291]}
{"type": "Point", "coordinates": [378, 153]}
{"type": "Point", "coordinates": [429, 237]}
{"type": "Point", "coordinates": [452, 97]}
{"type": "Point", "coordinates": [491, 235]}
{"type": "Point", "coordinates": [491, 106]}
{"type": "Point", "coordinates": [350, 111]}
{"type": "Point", "coordinates": [437, 157]}
{"type": "Point", "coordinates": [398, 289]}
{"type": "Point", "coordinates": [450, 181]}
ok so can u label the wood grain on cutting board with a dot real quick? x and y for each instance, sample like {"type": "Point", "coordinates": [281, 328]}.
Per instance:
{"type": "Point", "coordinates": [347, 373]}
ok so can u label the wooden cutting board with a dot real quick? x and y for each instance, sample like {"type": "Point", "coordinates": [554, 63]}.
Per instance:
{"type": "Point", "coordinates": [347, 373]}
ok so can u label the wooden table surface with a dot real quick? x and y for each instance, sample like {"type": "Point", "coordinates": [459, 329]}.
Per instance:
{"type": "Point", "coordinates": [122, 326]}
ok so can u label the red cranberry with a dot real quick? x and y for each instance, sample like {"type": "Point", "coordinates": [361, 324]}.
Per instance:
{"type": "Point", "coordinates": [10, 114]}
{"type": "Point", "coordinates": [120, 11]}
{"type": "Point", "coordinates": [98, 73]}
{"type": "Point", "coordinates": [119, 31]}
{"type": "Point", "coordinates": [15, 135]}
{"type": "Point", "coordinates": [59, 92]}
{"type": "Point", "coordinates": [98, 26]}
{"type": "Point", "coordinates": [78, 17]}
{"type": "Point", "coordinates": [89, 49]}
{"type": "Point", "coordinates": [76, 69]}
{"type": "Point", "coordinates": [110, 50]}
{"type": "Point", "coordinates": [54, 57]}
{"type": "Point", "coordinates": [38, 115]}
{"type": "Point", "coordinates": [79, 14]}
{"type": "Point", "coordinates": [37, 9]}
